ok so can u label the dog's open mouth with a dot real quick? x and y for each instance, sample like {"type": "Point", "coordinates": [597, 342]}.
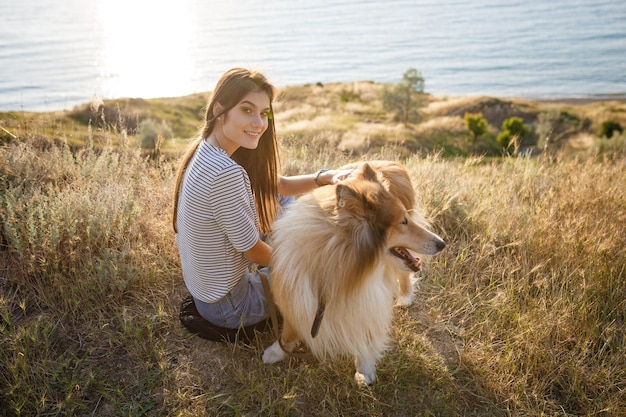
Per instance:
{"type": "Point", "coordinates": [411, 262]}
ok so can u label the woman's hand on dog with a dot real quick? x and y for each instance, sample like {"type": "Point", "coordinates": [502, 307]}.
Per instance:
{"type": "Point", "coordinates": [335, 176]}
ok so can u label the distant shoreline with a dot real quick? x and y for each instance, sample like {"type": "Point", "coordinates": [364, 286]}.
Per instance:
{"type": "Point", "coordinates": [572, 101]}
{"type": "Point", "coordinates": [580, 101]}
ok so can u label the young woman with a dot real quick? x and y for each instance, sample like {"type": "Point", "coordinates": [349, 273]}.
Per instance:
{"type": "Point", "coordinates": [227, 194]}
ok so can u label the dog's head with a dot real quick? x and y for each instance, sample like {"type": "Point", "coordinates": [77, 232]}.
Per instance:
{"type": "Point", "coordinates": [378, 216]}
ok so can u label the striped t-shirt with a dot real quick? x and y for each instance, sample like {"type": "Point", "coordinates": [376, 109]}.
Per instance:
{"type": "Point", "coordinates": [217, 221]}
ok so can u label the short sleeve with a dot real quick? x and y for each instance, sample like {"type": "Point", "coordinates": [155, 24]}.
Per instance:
{"type": "Point", "coordinates": [232, 205]}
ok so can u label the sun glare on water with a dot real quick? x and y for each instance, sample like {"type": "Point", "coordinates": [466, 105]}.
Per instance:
{"type": "Point", "coordinates": [146, 48]}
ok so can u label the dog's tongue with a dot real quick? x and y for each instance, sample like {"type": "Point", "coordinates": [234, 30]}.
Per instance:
{"type": "Point", "coordinates": [413, 263]}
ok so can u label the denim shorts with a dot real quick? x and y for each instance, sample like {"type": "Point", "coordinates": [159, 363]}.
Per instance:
{"type": "Point", "coordinates": [245, 305]}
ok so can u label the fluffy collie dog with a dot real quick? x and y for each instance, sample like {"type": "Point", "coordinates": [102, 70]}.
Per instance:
{"type": "Point", "coordinates": [334, 265]}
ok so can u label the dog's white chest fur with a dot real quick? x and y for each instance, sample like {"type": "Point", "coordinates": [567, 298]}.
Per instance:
{"type": "Point", "coordinates": [356, 326]}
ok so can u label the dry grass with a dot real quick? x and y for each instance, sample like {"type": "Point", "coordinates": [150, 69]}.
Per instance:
{"type": "Point", "coordinates": [523, 314]}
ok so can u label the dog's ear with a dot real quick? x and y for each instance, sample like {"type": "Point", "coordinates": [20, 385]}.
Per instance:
{"type": "Point", "coordinates": [369, 173]}
{"type": "Point", "coordinates": [339, 195]}
{"type": "Point", "coordinates": [343, 193]}
{"type": "Point", "coordinates": [357, 201]}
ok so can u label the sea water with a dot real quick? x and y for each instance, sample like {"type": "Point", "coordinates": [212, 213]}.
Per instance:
{"type": "Point", "coordinates": [55, 54]}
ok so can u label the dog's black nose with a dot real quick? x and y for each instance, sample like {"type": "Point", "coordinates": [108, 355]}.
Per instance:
{"type": "Point", "coordinates": [441, 244]}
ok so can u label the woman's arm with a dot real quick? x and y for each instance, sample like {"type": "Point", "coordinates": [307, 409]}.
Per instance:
{"type": "Point", "coordinates": [260, 253]}
{"type": "Point", "coordinates": [300, 184]}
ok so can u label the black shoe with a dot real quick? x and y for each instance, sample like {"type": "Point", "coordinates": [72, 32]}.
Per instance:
{"type": "Point", "coordinates": [196, 324]}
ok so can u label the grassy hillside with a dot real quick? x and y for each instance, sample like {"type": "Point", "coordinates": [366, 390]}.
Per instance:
{"type": "Point", "coordinates": [522, 314]}
{"type": "Point", "coordinates": [348, 117]}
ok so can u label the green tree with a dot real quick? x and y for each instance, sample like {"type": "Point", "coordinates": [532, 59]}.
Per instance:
{"type": "Point", "coordinates": [476, 124]}
{"type": "Point", "coordinates": [404, 97]}
{"type": "Point", "coordinates": [513, 133]}
{"type": "Point", "coordinates": [609, 127]}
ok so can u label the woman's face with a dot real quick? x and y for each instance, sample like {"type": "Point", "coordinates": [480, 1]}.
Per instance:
{"type": "Point", "coordinates": [243, 125]}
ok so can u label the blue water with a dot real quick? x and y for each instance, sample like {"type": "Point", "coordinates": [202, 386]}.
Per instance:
{"type": "Point", "coordinates": [55, 54]}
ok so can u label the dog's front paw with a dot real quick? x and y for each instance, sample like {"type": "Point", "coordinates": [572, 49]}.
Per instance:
{"type": "Point", "coordinates": [274, 354]}
{"type": "Point", "coordinates": [365, 369]}
{"type": "Point", "coordinates": [363, 380]}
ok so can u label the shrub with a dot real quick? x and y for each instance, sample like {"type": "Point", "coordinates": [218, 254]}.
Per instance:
{"type": "Point", "coordinates": [70, 221]}
{"type": "Point", "coordinates": [513, 133]}
{"type": "Point", "coordinates": [609, 127]}
{"type": "Point", "coordinates": [401, 98]}
{"type": "Point", "coordinates": [116, 116]}
{"type": "Point", "coordinates": [476, 124]}
{"type": "Point", "coordinates": [85, 257]}
{"type": "Point", "coordinates": [349, 95]}
{"type": "Point", "coordinates": [547, 124]}
{"type": "Point", "coordinates": [554, 126]}
{"type": "Point", "coordinates": [152, 134]}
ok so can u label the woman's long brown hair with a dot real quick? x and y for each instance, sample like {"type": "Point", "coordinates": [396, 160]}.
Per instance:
{"type": "Point", "coordinates": [262, 163]}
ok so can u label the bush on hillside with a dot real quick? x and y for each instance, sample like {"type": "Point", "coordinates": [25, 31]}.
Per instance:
{"type": "Point", "coordinates": [108, 116]}
{"type": "Point", "coordinates": [476, 124]}
{"type": "Point", "coordinates": [151, 135]}
{"type": "Point", "coordinates": [609, 128]}
{"type": "Point", "coordinates": [513, 133]}
{"type": "Point", "coordinates": [403, 99]}
{"type": "Point", "coordinates": [555, 126]}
